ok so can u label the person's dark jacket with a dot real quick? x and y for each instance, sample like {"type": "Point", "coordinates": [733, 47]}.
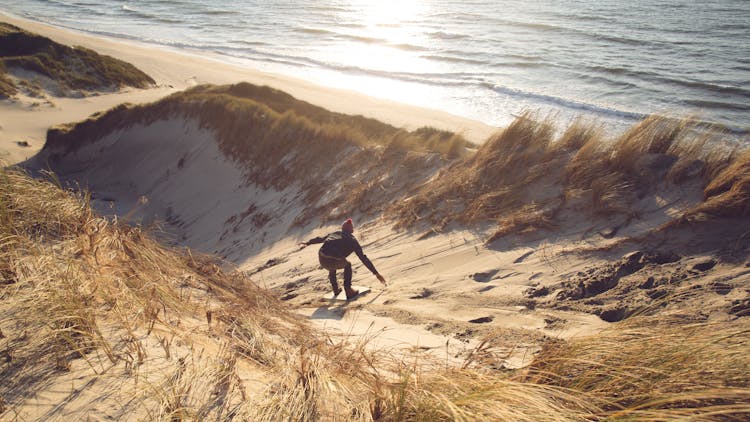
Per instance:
{"type": "Point", "coordinates": [341, 244]}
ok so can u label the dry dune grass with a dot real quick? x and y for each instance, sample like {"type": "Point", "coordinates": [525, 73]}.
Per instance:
{"type": "Point", "coordinates": [259, 123]}
{"type": "Point", "coordinates": [617, 173]}
{"type": "Point", "coordinates": [655, 368]}
{"type": "Point", "coordinates": [80, 288]}
{"type": "Point", "coordinates": [522, 176]}
{"type": "Point", "coordinates": [728, 193]}
{"type": "Point", "coordinates": [489, 183]}
{"type": "Point", "coordinates": [7, 87]}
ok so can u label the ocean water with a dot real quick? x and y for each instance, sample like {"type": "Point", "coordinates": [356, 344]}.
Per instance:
{"type": "Point", "coordinates": [610, 60]}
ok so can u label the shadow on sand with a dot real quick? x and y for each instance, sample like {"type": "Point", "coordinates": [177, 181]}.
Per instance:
{"type": "Point", "coordinates": [335, 310]}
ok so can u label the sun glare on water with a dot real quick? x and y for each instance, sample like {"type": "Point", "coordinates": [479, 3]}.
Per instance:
{"type": "Point", "coordinates": [388, 29]}
{"type": "Point", "coordinates": [389, 12]}
{"type": "Point", "coordinates": [384, 36]}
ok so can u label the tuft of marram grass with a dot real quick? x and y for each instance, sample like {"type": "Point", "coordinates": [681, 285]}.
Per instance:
{"type": "Point", "coordinates": [655, 368]}
{"type": "Point", "coordinates": [7, 87]}
{"type": "Point", "coordinates": [728, 194]}
{"type": "Point", "coordinates": [522, 177]}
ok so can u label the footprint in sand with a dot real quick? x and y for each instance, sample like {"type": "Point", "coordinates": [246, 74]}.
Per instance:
{"type": "Point", "coordinates": [288, 296]}
{"type": "Point", "coordinates": [481, 320]}
{"type": "Point", "coordinates": [523, 257]}
{"type": "Point", "coordinates": [484, 276]}
{"type": "Point", "coordinates": [425, 293]}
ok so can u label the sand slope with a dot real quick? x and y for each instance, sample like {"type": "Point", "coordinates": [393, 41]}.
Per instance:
{"type": "Point", "coordinates": [446, 286]}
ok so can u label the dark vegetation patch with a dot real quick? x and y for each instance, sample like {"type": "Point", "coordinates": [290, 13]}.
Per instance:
{"type": "Point", "coordinates": [268, 264]}
{"type": "Point", "coordinates": [614, 314]}
{"type": "Point", "coordinates": [73, 68]}
{"type": "Point", "coordinates": [740, 307]}
{"type": "Point", "coordinates": [533, 292]}
{"type": "Point", "coordinates": [552, 322]}
{"type": "Point", "coordinates": [523, 257]}
{"type": "Point", "coordinates": [288, 296]}
{"type": "Point", "coordinates": [720, 287]}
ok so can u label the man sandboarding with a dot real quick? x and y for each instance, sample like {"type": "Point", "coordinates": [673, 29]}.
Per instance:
{"type": "Point", "coordinates": [332, 255]}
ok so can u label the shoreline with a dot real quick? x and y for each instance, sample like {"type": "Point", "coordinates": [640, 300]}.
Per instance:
{"type": "Point", "coordinates": [177, 70]}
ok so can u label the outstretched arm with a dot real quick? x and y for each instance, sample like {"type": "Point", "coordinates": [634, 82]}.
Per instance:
{"type": "Point", "coordinates": [314, 240]}
{"type": "Point", "coordinates": [365, 260]}
{"type": "Point", "coordinates": [381, 279]}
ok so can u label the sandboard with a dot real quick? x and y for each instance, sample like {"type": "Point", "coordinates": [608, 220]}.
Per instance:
{"type": "Point", "coordinates": [342, 296]}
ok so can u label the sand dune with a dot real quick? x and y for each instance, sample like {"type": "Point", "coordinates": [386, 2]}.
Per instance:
{"type": "Point", "coordinates": [278, 178]}
{"type": "Point", "coordinates": [515, 247]}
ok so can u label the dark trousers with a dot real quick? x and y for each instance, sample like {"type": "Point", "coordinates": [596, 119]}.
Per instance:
{"type": "Point", "coordinates": [332, 263]}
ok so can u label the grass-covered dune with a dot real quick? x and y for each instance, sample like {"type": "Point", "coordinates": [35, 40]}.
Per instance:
{"type": "Point", "coordinates": [98, 319]}
{"type": "Point", "coordinates": [250, 121]}
{"type": "Point", "coordinates": [31, 63]}
{"type": "Point", "coordinates": [647, 230]}
{"type": "Point", "coordinates": [523, 178]}
{"type": "Point", "coordinates": [667, 188]}
{"type": "Point", "coordinates": [280, 142]}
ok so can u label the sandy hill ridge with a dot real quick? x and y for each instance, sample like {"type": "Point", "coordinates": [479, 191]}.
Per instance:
{"type": "Point", "coordinates": [276, 163]}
